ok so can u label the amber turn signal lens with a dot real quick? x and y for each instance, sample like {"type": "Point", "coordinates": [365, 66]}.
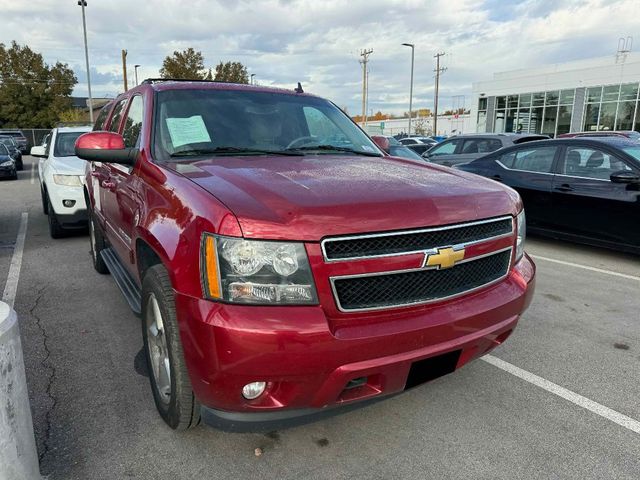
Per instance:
{"type": "Point", "coordinates": [211, 265]}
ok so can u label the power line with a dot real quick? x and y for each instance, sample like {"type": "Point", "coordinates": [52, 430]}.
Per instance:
{"type": "Point", "coordinates": [439, 70]}
{"type": "Point", "coordinates": [365, 81]}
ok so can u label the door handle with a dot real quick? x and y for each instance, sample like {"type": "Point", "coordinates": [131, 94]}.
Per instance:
{"type": "Point", "coordinates": [565, 187]}
{"type": "Point", "coordinates": [107, 184]}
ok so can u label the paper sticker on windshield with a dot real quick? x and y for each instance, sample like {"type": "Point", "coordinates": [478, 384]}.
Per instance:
{"type": "Point", "coordinates": [187, 130]}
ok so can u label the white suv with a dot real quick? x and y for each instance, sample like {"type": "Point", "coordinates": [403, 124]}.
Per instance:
{"type": "Point", "coordinates": [61, 176]}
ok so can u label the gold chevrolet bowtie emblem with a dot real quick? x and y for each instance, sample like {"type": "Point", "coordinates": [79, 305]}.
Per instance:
{"type": "Point", "coordinates": [445, 258]}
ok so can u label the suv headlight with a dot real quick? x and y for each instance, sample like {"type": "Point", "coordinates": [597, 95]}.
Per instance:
{"type": "Point", "coordinates": [255, 271]}
{"type": "Point", "coordinates": [8, 163]}
{"type": "Point", "coordinates": [68, 180]}
{"type": "Point", "coordinates": [521, 230]}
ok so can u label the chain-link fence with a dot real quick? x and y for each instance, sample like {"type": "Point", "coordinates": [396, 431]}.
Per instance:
{"type": "Point", "coordinates": [34, 136]}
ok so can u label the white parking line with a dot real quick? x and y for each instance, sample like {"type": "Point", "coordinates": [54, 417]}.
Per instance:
{"type": "Point", "coordinates": [33, 172]}
{"type": "Point", "coordinates": [586, 267]}
{"type": "Point", "coordinates": [595, 407]}
{"type": "Point", "coordinates": [11, 287]}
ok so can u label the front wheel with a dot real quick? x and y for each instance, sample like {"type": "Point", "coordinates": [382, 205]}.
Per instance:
{"type": "Point", "coordinates": [98, 244]}
{"type": "Point", "coordinates": [168, 376]}
{"type": "Point", "coordinates": [45, 205]}
{"type": "Point", "coordinates": [55, 229]}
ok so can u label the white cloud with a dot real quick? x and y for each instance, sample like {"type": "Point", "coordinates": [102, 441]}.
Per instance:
{"type": "Point", "coordinates": [317, 43]}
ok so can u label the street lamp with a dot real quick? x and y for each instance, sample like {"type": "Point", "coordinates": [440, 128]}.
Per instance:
{"type": "Point", "coordinates": [251, 80]}
{"type": "Point", "coordinates": [411, 87]}
{"type": "Point", "coordinates": [135, 71]}
{"type": "Point", "coordinates": [83, 4]}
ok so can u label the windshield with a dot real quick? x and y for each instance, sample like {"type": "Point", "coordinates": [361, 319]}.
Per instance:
{"type": "Point", "coordinates": [403, 152]}
{"type": "Point", "coordinates": [65, 144]}
{"type": "Point", "coordinates": [7, 141]}
{"type": "Point", "coordinates": [219, 122]}
{"type": "Point", "coordinates": [3, 150]}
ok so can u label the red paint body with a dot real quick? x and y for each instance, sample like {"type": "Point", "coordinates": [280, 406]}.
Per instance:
{"type": "Point", "coordinates": [306, 353]}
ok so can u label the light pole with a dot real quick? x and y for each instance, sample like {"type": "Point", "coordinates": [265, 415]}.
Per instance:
{"type": "Point", "coordinates": [83, 4]}
{"type": "Point", "coordinates": [411, 87]}
{"type": "Point", "coordinates": [135, 72]}
{"type": "Point", "coordinates": [251, 81]}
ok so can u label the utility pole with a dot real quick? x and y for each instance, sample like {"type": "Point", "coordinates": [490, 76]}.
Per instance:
{"type": "Point", "coordinates": [124, 69]}
{"type": "Point", "coordinates": [83, 4]}
{"type": "Point", "coordinates": [411, 87]}
{"type": "Point", "coordinates": [365, 59]}
{"type": "Point", "coordinates": [438, 71]}
{"type": "Point", "coordinates": [135, 71]}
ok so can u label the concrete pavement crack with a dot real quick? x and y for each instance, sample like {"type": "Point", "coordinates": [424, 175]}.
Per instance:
{"type": "Point", "coordinates": [52, 377]}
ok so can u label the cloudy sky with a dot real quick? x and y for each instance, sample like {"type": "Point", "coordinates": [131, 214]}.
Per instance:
{"type": "Point", "coordinates": [318, 42]}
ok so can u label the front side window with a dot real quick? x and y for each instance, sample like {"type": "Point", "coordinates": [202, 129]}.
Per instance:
{"type": "Point", "coordinates": [133, 123]}
{"type": "Point", "coordinates": [65, 144]}
{"type": "Point", "coordinates": [102, 118]}
{"type": "Point", "coordinates": [219, 122]}
{"type": "Point", "coordinates": [538, 160]}
{"type": "Point", "coordinates": [446, 148]}
{"type": "Point", "coordinates": [117, 115]}
{"type": "Point", "coordinates": [591, 163]}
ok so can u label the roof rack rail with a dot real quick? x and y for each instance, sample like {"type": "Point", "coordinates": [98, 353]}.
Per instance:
{"type": "Point", "coordinates": [149, 81]}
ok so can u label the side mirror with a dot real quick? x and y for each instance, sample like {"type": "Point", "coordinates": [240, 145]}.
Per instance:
{"type": "Point", "coordinates": [37, 151]}
{"type": "Point", "coordinates": [107, 147]}
{"type": "Point", "coordinates": [381, 142]}
{"type": "Point", "coordinates": [625, 176]}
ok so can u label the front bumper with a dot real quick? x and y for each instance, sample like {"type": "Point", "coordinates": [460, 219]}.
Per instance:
{"type": "Point", "coordinates": [69, 217]}
{"type": "Point", "coordinates": [307, 364]}
{"type": "Point", "coordinates": [8, 171]}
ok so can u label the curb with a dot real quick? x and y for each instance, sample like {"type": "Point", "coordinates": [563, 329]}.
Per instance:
{"type": "Point", "coordinates": [18, 455]}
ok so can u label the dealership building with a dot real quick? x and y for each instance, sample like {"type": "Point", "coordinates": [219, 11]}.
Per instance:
{"type": "Point", "coordinates": [586, 95]}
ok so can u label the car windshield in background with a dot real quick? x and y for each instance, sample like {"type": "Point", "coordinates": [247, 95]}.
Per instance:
{"type": "Point", "coordinates": [403, 152]}
{"type": "Point", "coordinates": [8, 142]}
{"type": "Point", "coordinates": [193, 123]}
{"type": "Point", "coordinates": [65, 144]}
{"type": "Point", "coordinates": [633, 151]}
{"type": "Point", "coordinates": [3, 150]}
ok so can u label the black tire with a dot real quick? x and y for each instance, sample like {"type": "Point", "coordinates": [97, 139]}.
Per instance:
{"type": "Point", "coordinates": [55, 229]}
{"type": "Point", "coordinates": [45, 203]}
{"type": "Point", "coordinates": [179, 408]}
{"type": "Point", "coordinates": [14, 177]}
{"type": "Point", "coordinates": [98, 244]}
{"type": "Point", "coordinates": [19, 165]}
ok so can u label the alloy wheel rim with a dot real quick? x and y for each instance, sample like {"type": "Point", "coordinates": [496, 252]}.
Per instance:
{"type": "Point", "coordinates": [158, 351]}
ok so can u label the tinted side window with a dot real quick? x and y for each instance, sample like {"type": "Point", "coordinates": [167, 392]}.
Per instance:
{"type": "Point", "coordinates": [102, 118]}
{"type": "Point", "coordinates": [117, 114]}
{"type": "Point", "coordinates": [446, 148]}
{"type": "Point", "coordinates": [534, 159]}
{"type": "Point", "coordinates": [133, 123]}
{"type": "Point", "coordinates": [481, 145]}
{"type": "Point", "coordinates": [590, 163]}
{"type": "Point", "coordinates": [507, 159]}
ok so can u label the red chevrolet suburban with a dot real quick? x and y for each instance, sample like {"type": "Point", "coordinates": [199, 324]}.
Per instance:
{"type": "Point", "coordinates": [283, 264]}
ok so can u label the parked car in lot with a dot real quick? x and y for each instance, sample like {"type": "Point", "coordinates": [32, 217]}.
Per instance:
{"type": "Point", "coordinates": [279, 275]}
{"type": "Point", "coordinates": [7, 164]}
{"type": "Point", "coordinates": [14, 150]}
{"type": "Point", "coordinates": [61, 176]}
{"type": "Point", "coordinates": [582, 189]}
{"type": "Point", "coordinates": [464, 148]}
{"type": "Point", "coordinates": [19, 137]}
{"type": "Point", "coordinates": [418, 144]}
{"type": "Point", "coordinates": [631, 134]}
{"type": "Point", "coordinates": [394, 148]}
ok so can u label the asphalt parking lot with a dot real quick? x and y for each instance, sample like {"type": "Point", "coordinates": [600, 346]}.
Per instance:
{"type": "Point", "coordinates": [563, 403]}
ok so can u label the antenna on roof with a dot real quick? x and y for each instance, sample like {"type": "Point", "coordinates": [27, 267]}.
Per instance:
{"type": "Point", "coordinates": [299, 89]}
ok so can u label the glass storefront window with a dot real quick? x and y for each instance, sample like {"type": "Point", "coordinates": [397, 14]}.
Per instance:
{"type": "Point", "coordinates": [482, 104]}
{"type": "Point", "coordinates": [499, 126]}
{"type": "Point", "coordinates": [512, 101]}
{"type": "Point", "coordinates": [624, 119]}
{"type": "Point", "coordinates": [549, 121]}
{"type": "Point", "coordinates": [607, 116]}
{"type": "Point", "coordinates": [552, 98]}
{"type": "Point", "coordinates": [610, 93]}
{"type": "Point", "coordinates": [501, 102]}
{"type": "Point", "coordinates": [482, 122]}
{"type": "Point", "coordinates": [510, 120]}
{"type": "Point", "coordinates": [535, 123]}
{"type": "Point", "coordinates": [523, 120]}
{"type": "Point", "coordinates": [567, 96]}
{"type": "Point", "coordinates": [538, 99]}
{"type": "Point", "coordinates": [629, 91]}
{"type": "Point", "coordinates": [594, 94]}
{"type": "Point", "coordinates": [591, 117]}
{"type": "Point", "coordinates": [525, 100]}
{"type": "Point", "coordinates": [564, 119]}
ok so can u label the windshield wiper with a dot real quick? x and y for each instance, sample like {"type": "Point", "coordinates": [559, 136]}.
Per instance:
{"type": "Point", "coordinates": [231, 150]}
{"type": "Point", "coordinates": [336, 148]}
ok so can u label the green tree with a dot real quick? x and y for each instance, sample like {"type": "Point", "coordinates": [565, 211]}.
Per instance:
{"type": "Point", "coordinates": [185, 65]}
{"type": "Point", "coordinates": [233, 72]}
{"type": "Point", "coordinates": [32, 93]}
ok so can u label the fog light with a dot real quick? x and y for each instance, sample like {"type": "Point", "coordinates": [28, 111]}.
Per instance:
{"type": "Point", "coordinates": [253, 390]}
{"type": "Point", "coordinates": [68, 203]}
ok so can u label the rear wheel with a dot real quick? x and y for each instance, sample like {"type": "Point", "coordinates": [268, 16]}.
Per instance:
{"type": "Point", "coordinates": [169, 378]}
{"type": "Point", "coordinates": [98, 244]}
{"type": "Point", "coordinates": [55, 229]}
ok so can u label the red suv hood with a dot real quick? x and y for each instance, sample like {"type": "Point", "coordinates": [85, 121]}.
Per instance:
{"type": "Point", "coordinates": [311, 197]}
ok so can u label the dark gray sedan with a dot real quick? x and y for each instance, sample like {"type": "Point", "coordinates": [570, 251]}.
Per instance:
{"type": "Point", "coordinates": [465, 148]}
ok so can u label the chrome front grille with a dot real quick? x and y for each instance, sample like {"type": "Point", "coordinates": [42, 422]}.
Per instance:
{"type": "Point", "coordinates": [414, 241]}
